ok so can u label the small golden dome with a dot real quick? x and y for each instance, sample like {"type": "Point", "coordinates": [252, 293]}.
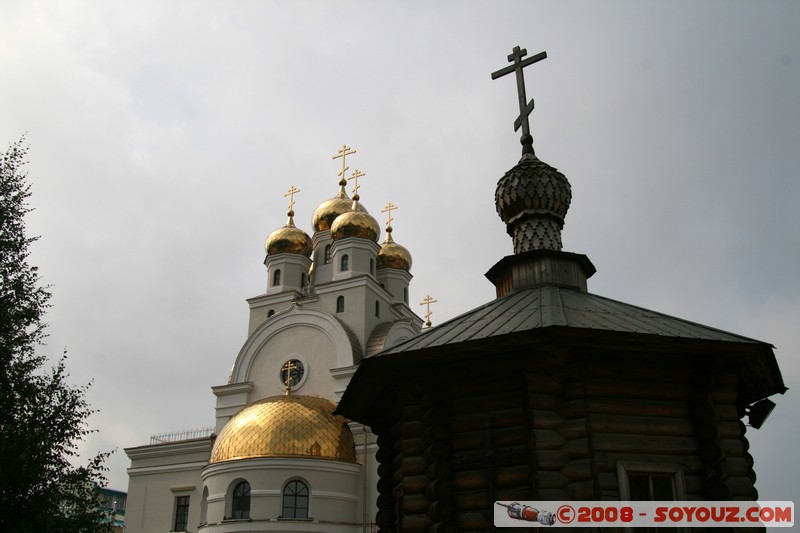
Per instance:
{"type": "Point", "coordinates": [285, 426]}
{"type": "Point", "coordinates": [356, 223]}
{"type": "Point", "coordinates": [289, 239]}
{"type": "Point", "coordinates": [327, 211]}
{"type": "Point", "coordinates": [393, 255]}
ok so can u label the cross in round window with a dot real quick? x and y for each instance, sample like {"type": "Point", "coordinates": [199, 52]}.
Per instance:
{"type": "Point", "coordinates": [292, 373]}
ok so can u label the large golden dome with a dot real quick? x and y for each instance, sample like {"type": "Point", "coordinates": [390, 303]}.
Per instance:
{"type": "Point", "coordinates": [327, 211]}
{"type": "Point", "coordinates": [356, 224]}
{"type": "Point", "coordinates": [393, 255]}
{"type": "Point", "coordinates": [285, 426]}
{"type": "Point", "coordinates": [289, 239]}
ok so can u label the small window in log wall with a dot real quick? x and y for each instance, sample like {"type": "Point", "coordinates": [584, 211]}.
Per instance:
{"type": "Point", "coordinates": [650, 481]}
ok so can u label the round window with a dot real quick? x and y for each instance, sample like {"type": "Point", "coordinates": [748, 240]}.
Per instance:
{"type": "Point", "coordinates": [292, 373]}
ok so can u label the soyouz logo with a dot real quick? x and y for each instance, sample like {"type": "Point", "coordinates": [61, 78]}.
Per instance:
{"type": "Point", "coordinates": [643, 514]}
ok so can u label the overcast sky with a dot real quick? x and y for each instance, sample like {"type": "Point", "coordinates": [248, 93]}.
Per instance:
{"type": "Point", "coordinates": [163, 136]}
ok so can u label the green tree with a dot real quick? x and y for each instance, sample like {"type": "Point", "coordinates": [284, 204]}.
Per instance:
{"type": "Point", "coordinates": [42, 417]}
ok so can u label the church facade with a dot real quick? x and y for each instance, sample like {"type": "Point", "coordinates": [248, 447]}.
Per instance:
{"type": "Point", "coordinates": [278, 460]}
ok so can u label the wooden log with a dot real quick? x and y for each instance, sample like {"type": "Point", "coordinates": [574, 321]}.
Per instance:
{"type": "Point", "coordinates": [415, 503]}
{"type": "Point", "coordinates": [725, 395]}
{"type": "Point", "coordinates": [477, 421]}
{"type": "Point", "coordinates": [439, 489]}
{"type": "Point", "coordinates": [736, 466]}
{"type": "Point", "coordinates": [640, 425]}
{"type": "Point", "coordinates": [581, 490]}
{"type": "Point", "coordinates": [733, 447]}
{"type": "Point", "coordinates": [413, 484]}
{"type": "Point", "coordinates": [385, 455]}
{"type": "Point", "coordinates": [547, 495]}
{"type": "Point", "coordinates": [610, 442]}
{"type": "Point", "coordinates": [617, 388]}
{"type": "Point", "coordinates": [411, 429]}
{"type": "Point", "coordinates": [552, 480]}
{"type": "Point", "coordinates": [546, 419]}
{"type": "Point", "coordinates": [436, 451]}
{"type": "Point", "coordinates": [573, 429]}
{"type": "Point", "coordinates": [622, 406]}
{"type": "Point", "coordinates": [412, 466]}
{"type": "Point", "coordinates": [548, 439]}
{"type": "Point", "coordinates": [731, 430]}
{"type": "Point", "coordinates": [664, 373]}
{"type": "Point", "coordinates": [477, 440]}
{"type": "Point", "coordinates": [578, 470]}
{"type": "Point", "coordinates": [547, 402]}
{"type": "Point", "coordinates": [608, 482]}
{"type": "Point", "coordinates": [412, 446]}
{"type": "Point", "coordinates": [485, 403]}
{"type": "Point", "coordinates": [550, 460]}
{"type": "Point", "coordinates": [444, 526]}
{"type": "Point", "coordinates": [474, 521]}
{"type": "Point", "coordinates": [415, 523]}
{"type": "Point", "coordinates": [471, 500]}
{"type": "Point", "coordinates": [541, 383]}
{"type": "Point", "coordinates": [740, 485]}
{"type": "Point", "coordinates": [727, 412]}
{"type": "Point", "coordinates": [506, 476]}
{"type": "Point", "coordinates": [439, 469]}
{"type": "Point", "coordinates": [607, 461]}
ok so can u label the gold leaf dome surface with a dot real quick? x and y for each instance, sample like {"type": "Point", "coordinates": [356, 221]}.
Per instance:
{"type": "Point", "coordinates": [330, 209]}
{"type": "Point", "coordinates": [289, 239]}
{"type": "Point", "coordinates": [393, 255]}
{"type": "Point", "coordinates": [356, 224]}
{"type": "Point", "coordinates": [285, 426]}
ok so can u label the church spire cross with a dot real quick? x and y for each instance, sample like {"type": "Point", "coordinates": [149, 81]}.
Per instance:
{"type": "Point", "coordinates": [427, 301]}
{"type": "Point", "coordinates": [356, 174]}
{"type": "Point", "coordinates": [388, 210]}
{"type": "Point", "coordinates": [343, 153]}
{"type": "Point", "coordinates": [290, 193]}
{"type": "Point", "coordinates": [525, 107]}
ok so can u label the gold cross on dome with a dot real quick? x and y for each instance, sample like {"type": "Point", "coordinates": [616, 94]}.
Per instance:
{"type": "Point", "coordinates": [343, 153]}
{"type": "Point", "coordinates": [356, 174]}
{"type": "Point", "coordinates": [287, 367]}
{"type": "Point", "coordinates": [427, 301]}
{"type": "Point", "coordinates": [388, 209]}
{"type": "Point", "coordinates": [290, 193]}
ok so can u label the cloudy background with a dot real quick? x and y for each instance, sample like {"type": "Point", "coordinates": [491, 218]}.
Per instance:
{"type": "Point", "coordinates": [163, 135]}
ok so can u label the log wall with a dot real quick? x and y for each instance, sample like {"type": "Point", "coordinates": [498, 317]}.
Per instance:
{"type": "Point", "coordinates": [555, 425]}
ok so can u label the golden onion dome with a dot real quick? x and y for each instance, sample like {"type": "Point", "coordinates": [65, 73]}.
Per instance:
{"type": "Point", "coordinates": [289, 239]}
{"type": "Point", "coordinates": [356, 223]}
{"type": "Point", "coordinates": [327, 211]}
{"type": "Point", "coordinates": [285, 426]}
{"type": "Point", "coordinates": [393, 255]}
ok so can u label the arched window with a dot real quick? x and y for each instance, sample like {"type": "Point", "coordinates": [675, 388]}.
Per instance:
{"type": "Point", "coordinates": [345, 263]}
{"type": "Point", "coordinates": [377, 309]}
{"type": "Point", "coordinates": [204, 506]}
{"type": "Point", "coordinates": [295, 500]}
{"type": "Point", "coordinates": [340, 304]}
{"type": "Point", "coordinates": [240, 502]}
{"type": "Point", "coordinates": [371, 266]}
{"type": "Point", "coordinates": [328, 254]}
{"type": "Point", "coordinates": [276, 277]}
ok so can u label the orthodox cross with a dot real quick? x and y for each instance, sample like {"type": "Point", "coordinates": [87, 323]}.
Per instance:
{"type": "Point", "coordinates": [525, 107]}
{"type": "Point", "coordinates": [290, 193]}
{"type": "Point", "coordinates": [288, 366]}
{"type": "Point", "coordinates": [343, 153]}
{"type": "Point", "coordinates": [388, 209]}
{"type": "Point", "coordinates": [356, 174]}
{"type": "Point", "coordinates": [427, 301]}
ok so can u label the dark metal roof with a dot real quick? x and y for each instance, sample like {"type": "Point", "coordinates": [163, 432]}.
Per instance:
{"type": "Point", "coordinates": [548, 306]}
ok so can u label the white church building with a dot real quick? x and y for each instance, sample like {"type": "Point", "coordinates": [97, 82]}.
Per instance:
{"type": "Point", "coordinates": [278, 460]}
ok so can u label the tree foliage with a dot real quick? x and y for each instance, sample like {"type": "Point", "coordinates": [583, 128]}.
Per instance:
{"type": "Point", "coordinates": [42, 416]}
